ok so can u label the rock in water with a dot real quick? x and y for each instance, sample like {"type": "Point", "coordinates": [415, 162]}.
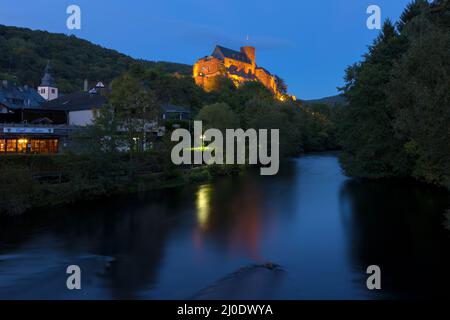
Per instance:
{"type": "Point", "coordinates": [253, 282]}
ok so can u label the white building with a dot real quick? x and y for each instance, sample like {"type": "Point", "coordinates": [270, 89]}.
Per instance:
{"type": "Point", "coordinates": [81, 107]}
{"type": "Point", "coordinates": [48, 89]}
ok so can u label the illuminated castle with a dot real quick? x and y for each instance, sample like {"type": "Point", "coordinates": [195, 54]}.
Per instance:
{"type": "Point", "coordinates": [239, 66]}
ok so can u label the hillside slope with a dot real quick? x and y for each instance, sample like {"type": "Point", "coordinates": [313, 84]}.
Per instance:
{"type": "Point", "coordinates": [24, 54]}
{"type": "Point", "coordinates": [331, 101]}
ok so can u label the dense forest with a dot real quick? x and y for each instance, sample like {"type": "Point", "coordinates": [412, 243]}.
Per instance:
{"type": "Point", "coordinates": [24, 54]}
{"type": "Point", "coordinates": [397, 121]}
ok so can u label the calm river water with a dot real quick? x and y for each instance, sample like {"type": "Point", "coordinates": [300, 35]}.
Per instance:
{"type": "Point", "coordinates": [322, 228]}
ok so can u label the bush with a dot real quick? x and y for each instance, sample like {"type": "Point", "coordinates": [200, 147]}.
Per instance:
{"type": "Point", "coordinates": [17, 189]}
{"type": "Point", "coordinates": [217, 170]}
{"type": "Point", "coordinates": [199, 175]}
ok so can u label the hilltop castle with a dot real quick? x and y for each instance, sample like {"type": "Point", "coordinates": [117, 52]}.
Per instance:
{"type": "Point", "coordinates": [239, 66]}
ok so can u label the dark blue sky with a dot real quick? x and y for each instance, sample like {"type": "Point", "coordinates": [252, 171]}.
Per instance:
{"type": "Point", "coordinates": [307, 43]}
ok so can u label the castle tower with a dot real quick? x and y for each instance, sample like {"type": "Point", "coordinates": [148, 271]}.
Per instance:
{"type": "Point", "coordinates": [47, 88]}
{"type": "Point", "coordinates": [250, 53]}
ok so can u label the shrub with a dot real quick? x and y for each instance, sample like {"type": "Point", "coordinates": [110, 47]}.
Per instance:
{"type": "Point", "coordinates": [16, 189]}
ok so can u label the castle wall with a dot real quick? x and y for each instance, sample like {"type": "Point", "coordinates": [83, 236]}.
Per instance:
{"type": "Point", "coordinates": [266, 79]}
{"type": "Point", "coordinates": [205, 68]}
{"type": "Point", "coordinates": [239, 65]}
{"type": "Point", "coordinates": [251, 54]}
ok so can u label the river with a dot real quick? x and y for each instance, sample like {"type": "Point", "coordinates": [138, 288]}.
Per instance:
{"type": "Point", "coordinates": [322, 228]}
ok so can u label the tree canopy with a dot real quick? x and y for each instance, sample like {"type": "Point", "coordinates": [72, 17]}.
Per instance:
{"type": "Point", "coordinates": [397, 122]}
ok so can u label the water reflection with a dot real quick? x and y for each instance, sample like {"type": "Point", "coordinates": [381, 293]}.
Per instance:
{"type": "Point", "coordinates": [203, 206]}
{"type": "Point", "coordinates": [396, 225]}
{"type": "Point", "coordinates": [322, 228]}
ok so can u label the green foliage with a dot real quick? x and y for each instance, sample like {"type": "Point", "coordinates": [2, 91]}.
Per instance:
{"type": "Point", "coordinates": [16, 190]}
{"type": "Point", "coordinates": [260, 114]}
{"type": "Point", "coordinates": [251, 105]}
{"type": "Point", "coordinates": [216, 170]}
{"type": "Point", "coordinates": [219, 116]}
{"type": "Point", "coordinates": [24, 53]}
{"type": "Point", "coordinates": [420, 96]}
{"type": "Point", "coordinates": [135, 106]}
{"type": "Point", "coordinates": [397, 122]}
{"type": "Point", "coordinates": [318, 125]}
{"type": "Point", "coordinates": [29, 181]}
{"type": "Point", "coordinates": [100, 137]}
{"type": "Point", "coordinates": [366, 131]}
{"type": "Point", "coordinates": [198, 175]}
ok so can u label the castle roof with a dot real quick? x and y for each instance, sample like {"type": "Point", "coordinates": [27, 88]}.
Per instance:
{"type": "Point", "coordinates": [222, 52]}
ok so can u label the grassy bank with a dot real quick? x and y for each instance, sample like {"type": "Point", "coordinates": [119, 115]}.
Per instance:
{"type": "Point", "coordinates": [31, 181]}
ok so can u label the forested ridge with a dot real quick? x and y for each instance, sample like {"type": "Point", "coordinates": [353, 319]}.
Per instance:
{"type": "Point", "coordinates": [25, 52]}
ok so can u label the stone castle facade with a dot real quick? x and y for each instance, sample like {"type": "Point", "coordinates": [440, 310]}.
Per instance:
{"type": "Point", "coordinates": [239, 66]}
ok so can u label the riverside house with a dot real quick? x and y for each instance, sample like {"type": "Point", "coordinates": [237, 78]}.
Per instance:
{"type": "Point", "coordinates": [40, 121]}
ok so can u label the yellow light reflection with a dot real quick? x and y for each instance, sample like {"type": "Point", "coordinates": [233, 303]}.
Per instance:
{"type": "Point", "coordinates": [202, 203]}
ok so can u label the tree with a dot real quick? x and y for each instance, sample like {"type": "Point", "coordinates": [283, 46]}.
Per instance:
{"type": "Point", "coordinates": [366, 133]}
{"type": "Point", "coordinates": [281, 85]}
{"type": "Point", "coordinates": [219, 116]}
{"type": "Point", "coordinates": [419, 93]}
{"type": "Point", "coordinates": [101, 137]}
{"type": "Point", "coordinates": [398, 118]}
{"type": "Point", "coordinates": [262, 114]}
{"type": "Point", "coordinates": [411, 11]}
{"type": "Point", "coordinates": [135, 109]}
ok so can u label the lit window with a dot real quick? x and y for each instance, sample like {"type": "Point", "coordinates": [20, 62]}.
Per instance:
{"type": "Point", "coordinates": [22, 145]}
{"type": "Point", "coordinates": [11, 145]}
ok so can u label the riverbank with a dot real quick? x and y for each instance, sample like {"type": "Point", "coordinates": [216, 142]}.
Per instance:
{"type": "Point", "coordinates": [33, 181]}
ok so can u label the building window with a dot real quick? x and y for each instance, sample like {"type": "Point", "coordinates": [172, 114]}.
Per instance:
{"type": "Point", "coordinates": [44, 146]}
{"type": "Point", "coordinates": [42, 90]}
{"type": "Point", "coordinates": [11, 145]}
{"type": "Point", "coordinates": [53, 90]}
{"type": "Point", "coordinates": [24, 145]}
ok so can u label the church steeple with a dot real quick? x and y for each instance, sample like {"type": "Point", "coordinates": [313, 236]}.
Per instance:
{"type": "Point", "coordinates": [48, 89]}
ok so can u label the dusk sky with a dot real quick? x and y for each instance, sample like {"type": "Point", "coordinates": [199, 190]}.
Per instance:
{"type": "Point", "coordinates": [307, 43]}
